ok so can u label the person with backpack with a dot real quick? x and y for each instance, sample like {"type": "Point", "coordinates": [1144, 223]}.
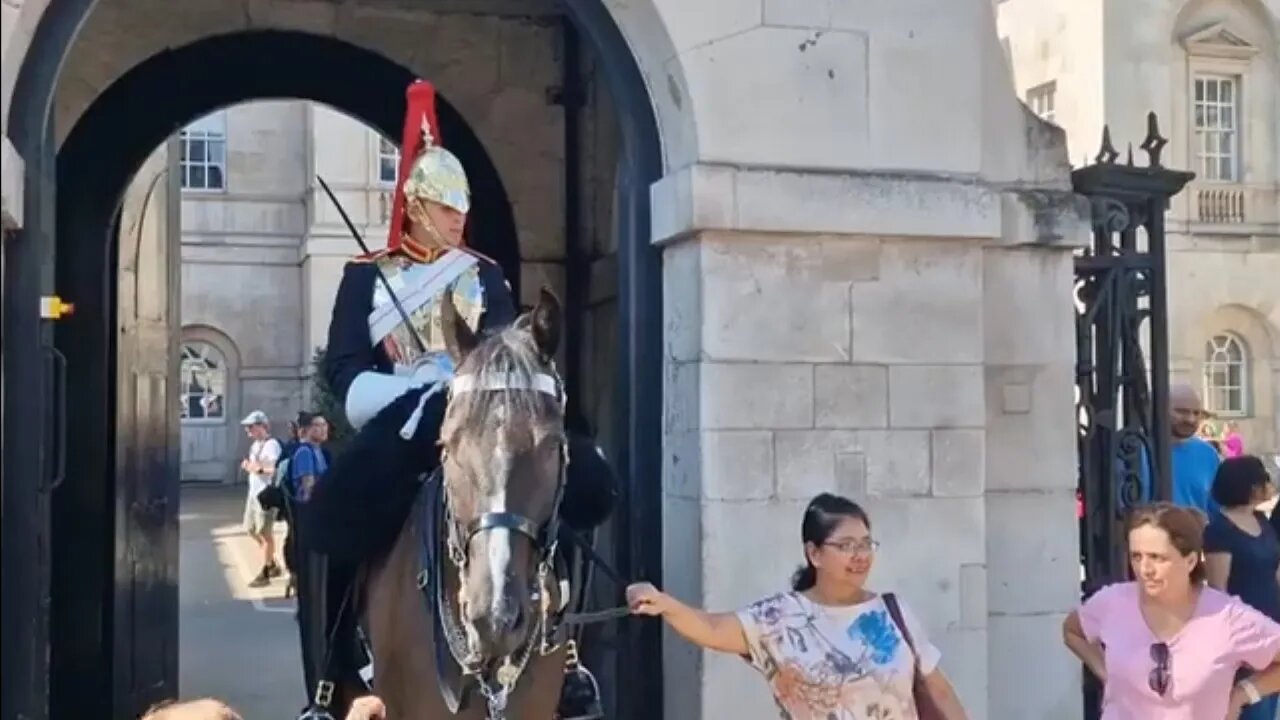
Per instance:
{"type": "Point", "coordinates": [260, 466]}
{"type": "Point", "coordinates": [315, 588]}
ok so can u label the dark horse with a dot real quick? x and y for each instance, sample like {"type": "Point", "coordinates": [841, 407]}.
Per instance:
{"type": "Point", "coordinates": [467, 596]}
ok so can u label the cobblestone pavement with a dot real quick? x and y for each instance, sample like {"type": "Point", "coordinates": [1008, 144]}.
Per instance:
{"type": "Point", "coordinates": [238, 644]}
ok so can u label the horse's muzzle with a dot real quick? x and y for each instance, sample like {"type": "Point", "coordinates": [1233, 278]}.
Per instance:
{"type": "Point", "coordinates": [499, 631]}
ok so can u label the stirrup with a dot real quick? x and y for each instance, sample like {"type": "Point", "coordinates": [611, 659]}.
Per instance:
{"type": "Point", "coordinates": [319, 708]}
{"type": "Point", "coordinates": [580, 693]}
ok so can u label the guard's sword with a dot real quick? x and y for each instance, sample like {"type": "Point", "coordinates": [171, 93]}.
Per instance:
{"type": "Point", "coordinates": [417, 340]}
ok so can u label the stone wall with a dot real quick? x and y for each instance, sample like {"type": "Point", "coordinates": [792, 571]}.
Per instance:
{"type": "Point", "coordinates": [869, 294]}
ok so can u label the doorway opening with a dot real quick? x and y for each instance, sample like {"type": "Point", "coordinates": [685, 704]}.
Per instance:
{"type": "Point", "coordinates": [113, 636]}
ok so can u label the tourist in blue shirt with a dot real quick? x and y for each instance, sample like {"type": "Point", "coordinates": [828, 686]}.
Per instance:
{"type": "Point", "coordinates": [309, 462]}
{"type": "Point", "coordinates": [307, 467]}
{"type": "Point", "coordinates": [1195, 462]}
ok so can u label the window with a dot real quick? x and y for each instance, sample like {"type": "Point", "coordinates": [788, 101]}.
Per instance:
{"type": "Point", "coordinates": [1225, 376]}
{"type": "Point", "coordinates": [388, 161]}
{"type": "Point", "coordinates": [204, 383]}
{"type": "Point", "coordinates": [204, 153]}
{"type": "Point", "coordinates": [1216, 103]}
{"type": "Point", "coordinates": [1042, 100]}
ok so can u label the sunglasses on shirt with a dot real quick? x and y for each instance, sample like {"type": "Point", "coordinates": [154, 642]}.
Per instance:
{"type": "Point", "coordinates": [1158, 679]}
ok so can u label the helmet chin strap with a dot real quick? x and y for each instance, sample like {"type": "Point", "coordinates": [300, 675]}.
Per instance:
{"type": "Point", "coordinates": [418, 214]}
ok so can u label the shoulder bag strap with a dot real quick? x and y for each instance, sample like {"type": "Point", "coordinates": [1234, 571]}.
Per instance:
{"type": "Point", "coordinates": [895, 612]}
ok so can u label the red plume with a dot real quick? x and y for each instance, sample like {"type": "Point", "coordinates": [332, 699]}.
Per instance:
{"type": "Point", "coordinates": [421, 106]}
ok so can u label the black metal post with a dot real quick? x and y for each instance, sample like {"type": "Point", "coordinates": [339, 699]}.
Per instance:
{"type": "Point", "coordinates": [1124, 434]}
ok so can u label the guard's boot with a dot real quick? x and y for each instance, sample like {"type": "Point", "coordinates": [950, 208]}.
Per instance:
{"type": "Point", "coordinates": [580, 694]}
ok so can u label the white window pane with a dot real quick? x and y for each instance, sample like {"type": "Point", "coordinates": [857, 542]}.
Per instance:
{"type": "Point", "coordinates": [1228, 88]}
{"type": "Point", "coordinates": [217, 151]}
{"type": "Point", "coordinates": [1226, 169]}
{"type": "Point", "coordinates": [1235, 401]}
{"type": "Point", "coordinates": [1211, 91]}
{"type": "Point", "coordinates": [1199, 90]}
{"type": "Point", "coordinates": [215, 177]}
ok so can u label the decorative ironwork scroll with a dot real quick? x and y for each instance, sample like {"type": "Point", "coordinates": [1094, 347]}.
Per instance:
{"type": "Point", "coordinates": [1121, 316]}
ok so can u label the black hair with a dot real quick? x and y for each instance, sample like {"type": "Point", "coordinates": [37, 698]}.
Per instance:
{"type": "Point", "coordinates": [1237, 479]}
{"type": "Point", "coordinates": [821, 518]}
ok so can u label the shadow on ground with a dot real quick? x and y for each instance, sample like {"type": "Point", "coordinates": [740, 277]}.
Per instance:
{"type": "Point", "coordinates": [237, 643]}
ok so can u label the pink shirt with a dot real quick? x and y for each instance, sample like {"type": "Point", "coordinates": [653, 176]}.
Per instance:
{"type": "Point", "coordinates": [1222, 635]}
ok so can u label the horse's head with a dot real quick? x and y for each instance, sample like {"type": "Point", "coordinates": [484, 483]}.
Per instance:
{"type": "Point", "coordinates": [504, 461]}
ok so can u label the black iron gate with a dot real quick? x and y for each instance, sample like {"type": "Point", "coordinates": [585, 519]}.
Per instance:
{"type": "Point", "coordinates": [1121, 319]}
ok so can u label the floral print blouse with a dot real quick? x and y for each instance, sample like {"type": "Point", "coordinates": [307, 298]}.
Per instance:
{"type": "Point", "coordinates": [836, 663]}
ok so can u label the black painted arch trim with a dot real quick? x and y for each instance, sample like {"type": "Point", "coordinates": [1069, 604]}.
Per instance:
{"type": "Point", "coordinates": [137, 112]}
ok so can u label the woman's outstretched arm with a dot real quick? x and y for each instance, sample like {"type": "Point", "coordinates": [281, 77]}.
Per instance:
{"type": "Point", "coordinates": [713, 631]}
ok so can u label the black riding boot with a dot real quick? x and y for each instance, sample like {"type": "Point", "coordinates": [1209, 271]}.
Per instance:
{"type": "Point", "coordinates": [590, 494]}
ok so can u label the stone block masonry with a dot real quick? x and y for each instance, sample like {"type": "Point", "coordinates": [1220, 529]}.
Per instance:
{"type": "Point", "coordinates": [864, 365]}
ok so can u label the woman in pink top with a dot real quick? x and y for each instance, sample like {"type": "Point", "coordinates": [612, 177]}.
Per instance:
{"type": "Point", "coordinates": [1232, 443]}
{"type": "Point", "coordinates": [1168, 647]}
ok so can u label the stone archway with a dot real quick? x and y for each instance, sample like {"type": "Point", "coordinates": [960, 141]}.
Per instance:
{"type": "Point", "coordinates": [83, 209]}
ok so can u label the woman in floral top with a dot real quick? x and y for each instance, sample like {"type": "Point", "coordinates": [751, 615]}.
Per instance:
{"type": "Point", "coordinates": [830, 649]}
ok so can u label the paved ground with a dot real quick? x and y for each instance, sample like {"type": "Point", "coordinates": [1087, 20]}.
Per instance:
{"type": "Point", "coordinates": [238, 644]}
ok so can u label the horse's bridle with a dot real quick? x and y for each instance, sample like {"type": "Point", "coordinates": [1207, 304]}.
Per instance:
{"type": "Point", "coordinates": [547, 383]}
{"type": "Point", "coordinates": [543, 537]}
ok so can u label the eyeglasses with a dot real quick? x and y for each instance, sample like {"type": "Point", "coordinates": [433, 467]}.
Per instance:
{"type": "Point", "coordinates": [1161, 674]}
{"type": "Point", "coordinates": [854, 546]}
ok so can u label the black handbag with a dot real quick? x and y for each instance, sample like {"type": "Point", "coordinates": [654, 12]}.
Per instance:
{"type": "Point", "coordinates": [271, 498]}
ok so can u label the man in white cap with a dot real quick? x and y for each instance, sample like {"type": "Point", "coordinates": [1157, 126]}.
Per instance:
{"type": "Point", "coordinates": [260, 466]}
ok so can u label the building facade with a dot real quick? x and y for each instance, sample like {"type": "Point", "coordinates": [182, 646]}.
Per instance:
{"type": "Point", "coordinates": [848, 269]}
{"type": "Point", "coordinates": [258, 268]}
{"type": "Point", "coordinates": [1210, 69]}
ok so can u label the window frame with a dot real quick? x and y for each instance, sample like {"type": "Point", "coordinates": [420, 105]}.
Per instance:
{"type": "Point", "coordinates": [210, 129]}
{"type": "Point", "coordinates": [1209, 365]}
{"type": "Point", "coordinates": [1044, 91]}
{"type": "Point", "coordinates": [1236, 82]}
{"type": "Point", "coordinates": [1217, 50]}
{"type": "Point", "coordinates": [212, 350]}
{"type": "Point", "coordinates": [380, 144]}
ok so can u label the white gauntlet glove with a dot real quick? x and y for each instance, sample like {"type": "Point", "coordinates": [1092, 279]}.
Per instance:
{"type": "Point", "coordinates": [431, 370]}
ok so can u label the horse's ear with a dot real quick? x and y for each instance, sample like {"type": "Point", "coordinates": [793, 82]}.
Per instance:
{"type": "Point", "coordinates": [545, 322]}
{"type": "Point", "coordinates": [459, 340]}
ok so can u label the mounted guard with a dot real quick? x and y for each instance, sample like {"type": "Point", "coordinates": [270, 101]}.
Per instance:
{"type": "Point", "coordinates": [388, 360]}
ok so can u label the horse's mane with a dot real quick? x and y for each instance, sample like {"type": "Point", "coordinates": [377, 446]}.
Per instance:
{"type": "Point", "coordinates": [510, 353]}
